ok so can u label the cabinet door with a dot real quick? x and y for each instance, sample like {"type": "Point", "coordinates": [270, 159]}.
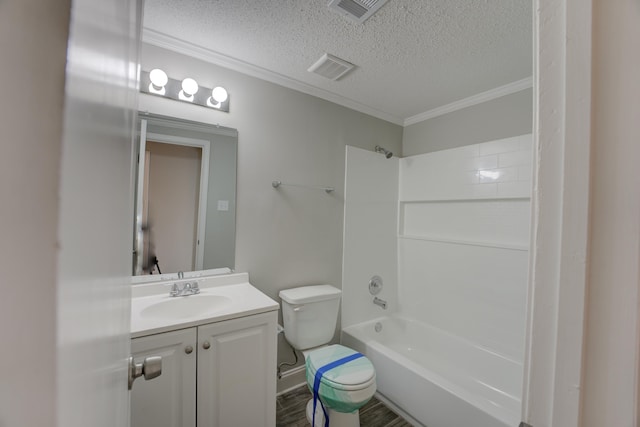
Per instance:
{"type": "Point", "coordinates": [237, 372]}
{"type": "Point", "coordinates": [170, 399]}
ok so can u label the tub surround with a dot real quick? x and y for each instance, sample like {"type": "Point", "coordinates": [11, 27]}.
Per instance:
{"type": "Point", "coordinates": [463, 241]}
{"type": "Point", "coordinates": [449, 233]}
{"type": "Point", "coordinates": [370, 234]}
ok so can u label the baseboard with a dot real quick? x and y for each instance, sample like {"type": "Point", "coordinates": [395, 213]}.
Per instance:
{"type": "Point", "coordinates": [291, 379]}
{"type": "Point", "coordinates": [293, 371]}
{"type": "Point", "coordinates": [291, 389]}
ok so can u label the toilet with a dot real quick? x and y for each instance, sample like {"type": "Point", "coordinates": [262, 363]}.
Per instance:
{"type": "Point", "coordinates": [341, 379]}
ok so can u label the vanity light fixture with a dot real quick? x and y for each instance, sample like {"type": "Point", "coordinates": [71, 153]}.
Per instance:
{"type": "Point", "coordinates": [156, 82]}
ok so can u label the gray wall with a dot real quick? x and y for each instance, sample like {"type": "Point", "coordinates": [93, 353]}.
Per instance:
{"type": "Point", "coordinates": [221, 226]}
{"type": "Point", "coordinates": [510, 115]}
{"type": "Point", "coordinates": [286, 237]}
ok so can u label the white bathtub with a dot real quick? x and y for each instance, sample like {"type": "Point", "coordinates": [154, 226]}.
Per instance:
{"type": "Point", "coordinates": [439, 379]}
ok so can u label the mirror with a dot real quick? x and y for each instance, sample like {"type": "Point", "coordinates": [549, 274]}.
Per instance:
{"type": "Point", "coordinates": [184, 210]}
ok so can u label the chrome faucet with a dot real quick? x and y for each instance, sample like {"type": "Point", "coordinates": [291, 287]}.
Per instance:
{"type": "Point", "coordinates": [184, 289]}
{"type": "Point", "coordinates": [382, 303]}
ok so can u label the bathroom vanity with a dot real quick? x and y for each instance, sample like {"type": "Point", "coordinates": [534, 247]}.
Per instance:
{"type": "Point", "coordinates": [218, 351]}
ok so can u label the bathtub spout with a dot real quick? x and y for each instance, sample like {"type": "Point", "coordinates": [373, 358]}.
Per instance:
{"type": "Point", "coordinates": [382, 303]}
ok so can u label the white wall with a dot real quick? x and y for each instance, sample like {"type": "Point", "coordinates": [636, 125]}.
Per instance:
{"type": "Point", "coordinates": [611, 355]}
{"type": "Point", "coordinates": [370, 234]}
{"type": "Point", "coordinates": [463, 241]}
{"type": "Point", "coordinates": [33, 44]}
{"type": "Point", "coordinates": [503, 117]}
{"type": "Point", "coordinates": [286, 237]}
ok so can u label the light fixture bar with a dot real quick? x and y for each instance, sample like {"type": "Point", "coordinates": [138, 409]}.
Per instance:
{"type": "Point", "coordinates": [217, 98]}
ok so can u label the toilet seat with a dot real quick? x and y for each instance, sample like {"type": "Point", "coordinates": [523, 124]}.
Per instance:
{"type": "Point", "coordinates": [355, 375]}
{"type": "Point", "coordinates": [346, 387]}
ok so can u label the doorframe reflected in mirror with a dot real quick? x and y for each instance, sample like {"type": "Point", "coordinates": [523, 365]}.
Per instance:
{"type": "Point", "coordinates": [142, 221]}
{"type": "Point", "coordinates": [213, 140]}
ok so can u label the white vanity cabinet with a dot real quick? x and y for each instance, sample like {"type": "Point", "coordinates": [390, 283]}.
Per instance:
{"type": "Point", "coordinates": [237, 372]}
{"type": "Point", "coordinates": [170, 399]}
{"type": "Point", "coordinates": [220, 374]}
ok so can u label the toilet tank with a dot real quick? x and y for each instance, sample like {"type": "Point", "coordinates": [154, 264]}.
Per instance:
{"type": "Point", "coordinates": [310, 314]}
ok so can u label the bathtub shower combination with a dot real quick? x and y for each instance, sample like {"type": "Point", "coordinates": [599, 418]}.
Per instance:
{"type": "Point", "coordinates": [448, 234]}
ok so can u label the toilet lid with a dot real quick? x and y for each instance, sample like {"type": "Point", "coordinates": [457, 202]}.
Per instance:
{"type": "Point", "coordinates": [355, 374]}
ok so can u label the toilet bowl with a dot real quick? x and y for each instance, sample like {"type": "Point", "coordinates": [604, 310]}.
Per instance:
{"type": "Point", "coordinates": [341, 379]}
{"type": "Point", "coordinates": [341, 390]}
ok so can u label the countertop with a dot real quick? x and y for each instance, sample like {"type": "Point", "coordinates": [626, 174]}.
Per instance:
{"type": "Point", "coordinates": [243, 300]}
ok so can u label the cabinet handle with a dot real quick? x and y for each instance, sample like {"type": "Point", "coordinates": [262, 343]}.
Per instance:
{"type": "Point", "coordinates": [206, 345]}
{"type": "Point", "coordinates": [188, 349]}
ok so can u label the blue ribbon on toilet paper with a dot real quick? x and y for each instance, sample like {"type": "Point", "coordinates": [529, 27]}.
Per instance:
{"type": "Point", "coordinates": [316, 383]}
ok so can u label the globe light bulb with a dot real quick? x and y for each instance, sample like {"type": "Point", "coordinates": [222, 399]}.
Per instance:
{"type": "Point", "coordinates": [158, 78]}
{"type": "Point", "coordinates": [219, 94]}
{"type": "Point", "coordinates": [158, 81]}
{"type": "Point", "coordinates": [189, 86]}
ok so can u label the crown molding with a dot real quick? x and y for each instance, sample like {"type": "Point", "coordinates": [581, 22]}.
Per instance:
{"type": "Point", "coordinates": [164, 41]}
{"type": "Point", "coordinates": [498, 92]}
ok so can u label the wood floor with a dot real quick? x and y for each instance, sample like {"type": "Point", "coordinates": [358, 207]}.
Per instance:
{"type": "Point", "coordinates": [291, 411]}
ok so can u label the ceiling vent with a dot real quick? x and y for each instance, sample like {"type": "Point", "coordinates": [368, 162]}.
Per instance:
{"type": "Point", "coordinates": [358, 10]}
{"type": "Point", "coordinates": [331, 67]}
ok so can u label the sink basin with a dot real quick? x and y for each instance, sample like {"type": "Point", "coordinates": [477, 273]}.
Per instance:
{"type": "Point", "coordinates": [185, 307]}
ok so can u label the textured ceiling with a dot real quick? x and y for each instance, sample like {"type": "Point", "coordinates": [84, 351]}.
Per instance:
{"type": "Point", "coordinates": [411, 56]}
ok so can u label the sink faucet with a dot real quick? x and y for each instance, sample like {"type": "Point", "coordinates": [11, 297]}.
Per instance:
{"type": "Point", "coordinates": [184, 289]}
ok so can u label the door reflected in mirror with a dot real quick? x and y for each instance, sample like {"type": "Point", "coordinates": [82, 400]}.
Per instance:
{"type": "Point", "coordinates": [185, 196]}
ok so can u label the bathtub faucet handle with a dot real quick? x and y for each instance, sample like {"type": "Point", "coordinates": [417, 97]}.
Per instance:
{"type": "Point", "coordinates": [380, 302]}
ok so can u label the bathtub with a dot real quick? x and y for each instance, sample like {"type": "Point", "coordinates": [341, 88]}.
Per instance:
{"type": "Point", "coordinates": [439, 379]}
